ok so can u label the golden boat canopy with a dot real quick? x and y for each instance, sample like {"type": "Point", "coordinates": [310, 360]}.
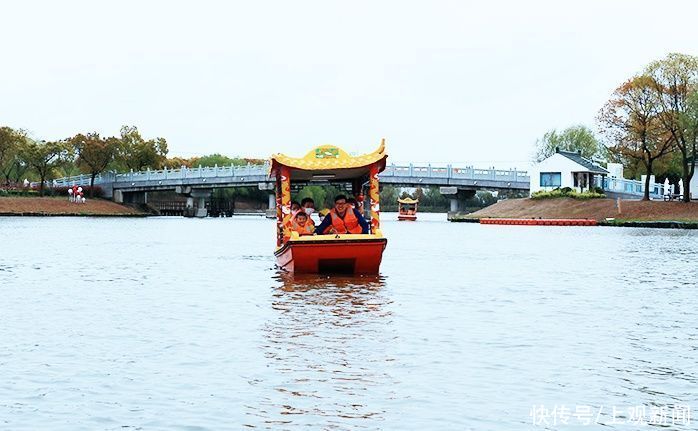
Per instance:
{"type": "Point", "coordinates": [329, 163]}
{"type": "Point", "coordinates": [408, 201]}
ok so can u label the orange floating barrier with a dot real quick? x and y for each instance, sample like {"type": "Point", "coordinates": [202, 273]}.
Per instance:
{"type": "Point", "coordinates": [539, 222]}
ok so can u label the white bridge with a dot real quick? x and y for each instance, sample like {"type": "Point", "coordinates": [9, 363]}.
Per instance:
{"type": "Point", "coordinates": [198, 182]}
{"type": "Point", "coordinates": [251, 175]}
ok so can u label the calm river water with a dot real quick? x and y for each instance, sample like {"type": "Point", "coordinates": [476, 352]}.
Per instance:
{"type": "Point", "coordinates": [182, 324]}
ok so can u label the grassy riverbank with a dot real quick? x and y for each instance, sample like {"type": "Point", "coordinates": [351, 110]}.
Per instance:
{"type": "Point", "coordinates": [48, 206]}
{"type": "Point", "coordinates": [594, 209]}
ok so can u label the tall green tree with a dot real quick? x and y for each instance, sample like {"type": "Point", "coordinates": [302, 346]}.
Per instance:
{"type": "Point", "coordinates": [317, 193]}
{"type": "Point", "coordinates": [215, 159]}
{"type": "Point", "coordinates": [676, 83]}
{"type": "Point", "coordinates": [631, 121]}
{"type": "Point", "coordinates": [418, 194]}
{"type": "Point", "coordinates": [94, 154]}
{"type": "Point", "coordinates": [11, 141]}
{"type": "Point", "coordinates": [218, 159]}
{"type": "Point", "coordinates": [43, 157]}
{"type": "Point", "coordinates": [481, 199]}
{"type": "Point", "coordinates": [575, 138]}
{"type": "Point", "coordinates": [323, 196]}
{"type": "Point", "coordinates": [388, 198]}
{"type": "Point", "coordinates": [388, 195]}
{"type": "Point", "coordinates": [433, 198]}
{"type": "Point", "coordinates": [136, 153]}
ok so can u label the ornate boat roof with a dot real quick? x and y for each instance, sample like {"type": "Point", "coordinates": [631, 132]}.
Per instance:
{"type": "Point", "coordinates": [408, 201]}
{"type": "Point", "coordinates": [329, 158]}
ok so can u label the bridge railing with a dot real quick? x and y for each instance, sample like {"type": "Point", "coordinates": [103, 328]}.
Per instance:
{"type": "Point", "coordinates": [392, 170]}
{"type": "Point", "coordinates": [467, 173]}
{"type": "Point", "coordinates": [631, 187]}
{"type": "Point", "coordinates": [197, 172]}
{"type": "Point", "coordinates": [625, 186]}
{"type": "Point", "coordinates": [82, 180]}
{"type": "Point", "coordinates": [167, 174]}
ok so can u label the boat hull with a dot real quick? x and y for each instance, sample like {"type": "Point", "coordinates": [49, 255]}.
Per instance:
{"type": "Point", "coordinates": [334, 255]}
{"type": "Point", "coordinates": [406, 217]}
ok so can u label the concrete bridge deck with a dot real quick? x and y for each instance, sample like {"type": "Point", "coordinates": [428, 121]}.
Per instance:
{"type": "Point", "coordinates": [257, 175]}
{"type": "Point", "coordinates": [197, 183]}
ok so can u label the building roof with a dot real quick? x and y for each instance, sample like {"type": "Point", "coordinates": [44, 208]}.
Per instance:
{"type": "Point", "coordinates": [586, 163]}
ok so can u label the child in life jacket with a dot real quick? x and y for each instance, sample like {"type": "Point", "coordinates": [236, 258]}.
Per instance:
{"type": "Point", "coordinates": [302, 225]}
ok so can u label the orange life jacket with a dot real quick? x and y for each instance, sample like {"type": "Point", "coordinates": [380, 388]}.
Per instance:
{"type": "Point", "coordinates": [349, 224]}
{"type": "Point", "coordinates": [308, 229]}
{"type": "Point", "coordinates": [310, 222]}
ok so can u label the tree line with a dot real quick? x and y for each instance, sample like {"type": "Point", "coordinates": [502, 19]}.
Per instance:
{"type": "Point", "coordinates": [649, 124]}
{"type": "Point", "coordinates": [24, 157]}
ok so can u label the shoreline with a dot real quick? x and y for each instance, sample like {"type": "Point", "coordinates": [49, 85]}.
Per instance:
{"type": "Point", "coordinates": [659, 224]}
{"type": "Point", "coordinates": [605, 212]}
{"type": "Point", "coordinates": [15, 206]}
{"type": "Point", "coordinates": [43, 214]}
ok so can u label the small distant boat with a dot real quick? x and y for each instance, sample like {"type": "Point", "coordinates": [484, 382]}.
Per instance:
{"type": "Point", "coordinates": [407, 209]}
{"type": "Point", "coordinates": [331, 253]}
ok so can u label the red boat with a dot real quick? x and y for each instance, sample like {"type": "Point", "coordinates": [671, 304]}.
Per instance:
{"type": "Point", "coordinates": [407, 209]}
{"type": "Point", "coordinates": [331, 253]}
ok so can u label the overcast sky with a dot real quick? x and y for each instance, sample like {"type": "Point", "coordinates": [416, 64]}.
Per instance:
{"type": "Point", "coordinates": [442, 81]}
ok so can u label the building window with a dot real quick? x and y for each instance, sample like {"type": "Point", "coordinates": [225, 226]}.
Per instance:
{"type": "Point", "coordinates": [550, 179]}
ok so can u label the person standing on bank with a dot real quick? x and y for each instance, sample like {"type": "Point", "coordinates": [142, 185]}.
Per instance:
{"type": "Point", "coordinates": [342, 219]}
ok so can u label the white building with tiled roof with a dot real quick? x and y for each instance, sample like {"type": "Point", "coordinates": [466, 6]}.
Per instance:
{"type": "Point", "coordinates": [566, 169]}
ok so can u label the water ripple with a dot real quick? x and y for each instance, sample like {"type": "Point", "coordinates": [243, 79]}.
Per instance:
{"type": "Point", "coordinates": [161, 324]}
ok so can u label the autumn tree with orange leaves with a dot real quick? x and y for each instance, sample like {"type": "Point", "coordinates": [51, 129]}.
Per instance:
{"type": "Point", "coordinates": [632, 121]}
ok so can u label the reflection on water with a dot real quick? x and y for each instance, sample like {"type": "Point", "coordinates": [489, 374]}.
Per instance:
{"type": "Point", "coordinates": [325, 347]}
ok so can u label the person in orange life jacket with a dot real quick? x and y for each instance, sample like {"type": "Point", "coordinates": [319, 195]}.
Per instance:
{"type": "Point", "coordinates": [342, 219]}
{"type": "Point", "coordinates": [295, 208]}
{"type": "Point", "coordinates": [302, 224]}
{"type": "Point", "coordinates": [308, 205]}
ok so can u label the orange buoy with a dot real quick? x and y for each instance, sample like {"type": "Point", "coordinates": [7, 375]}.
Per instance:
{"type": "Point", "coordinates": [540, 222]}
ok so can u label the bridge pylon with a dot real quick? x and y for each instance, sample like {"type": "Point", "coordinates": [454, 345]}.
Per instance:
{"type": "Point", "coordinates": [457, 197]}
{"type": "Point", "coordinates": [196, 200]}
